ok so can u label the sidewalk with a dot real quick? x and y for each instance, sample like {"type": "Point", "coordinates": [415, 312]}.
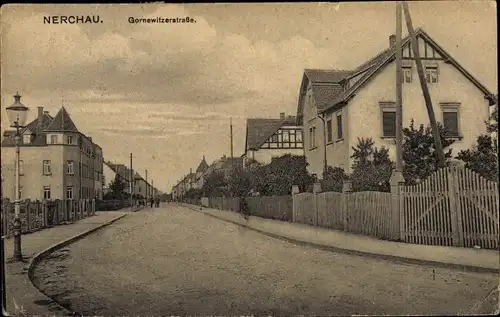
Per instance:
{"type": "Point", "coordinates": [339, 241]}
{"type": "Point", "coordinates": [23, 299]}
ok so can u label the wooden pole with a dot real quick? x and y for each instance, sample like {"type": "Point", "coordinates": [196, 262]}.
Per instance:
{"type": "Point", "coordinates": [231, 132]}
{"type": "Point", "coordinates": [399, 90]}
{"type": "Point", "coordinates": [425, 89]}
{"type": "Point", "coordinates": [131, 183]}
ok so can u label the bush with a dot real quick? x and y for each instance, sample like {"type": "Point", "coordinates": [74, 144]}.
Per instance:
{"type": "Point", "coordinates": [419, 152]}
{"type": "Point", "coordinates": [372, 168]}
{"type": "Point", "coordinates": [334, 180]}
{"type": "Point", "coordinates": [482, 159]}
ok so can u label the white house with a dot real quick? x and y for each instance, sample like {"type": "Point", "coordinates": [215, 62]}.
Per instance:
{"type": "Point", "coordinates": [342, 106]}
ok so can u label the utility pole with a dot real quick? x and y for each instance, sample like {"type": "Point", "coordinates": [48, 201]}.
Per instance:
{"type": "Point", "coordinates": [131, 182]}
{"type": "Point", "coordinates": [425, 89]}
{"type": "Point", "coordinates": [231, 133]}
{"type": "Point", "coordinates": [399, 90]}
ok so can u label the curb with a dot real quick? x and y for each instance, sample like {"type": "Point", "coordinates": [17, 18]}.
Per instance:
{"type": "Point", "coordinates": [39, 256]}
{"type": "Point", "coordinates": [386, 257]}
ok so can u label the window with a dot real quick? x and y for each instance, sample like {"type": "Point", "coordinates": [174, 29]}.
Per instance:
{"type": "Point", "coordinates": [69, 192]}
{"type": "Point", "coordinates": [312, 137]}
{"type": "Point", "coordinates": [53, 139]}
{"type": "Point", "coordinates": [46, 192]}
{"type": "Point", "coordinates": [70, 168]}
{"type": "Point", "coordinates": [286, 136]}
{"type": "Point", "coordinates": [407, 75]}
{"type": "Point", "coordinates": [46, 168]}
{"type": "Point", "coordinates": [329, 130]}
{"type": "Point", "coordinates": [26, 138]}
{"type": "Point", "coordinates": [389, 123]}
{"type": "Point", "coordinates": [274, 138]}
{"type": "Point", "coordinates": [339, 127]}
{"type": "Point", "coordinates": [431, 75]}
{"type": "Point", "coordinates": [451, 120]}
{"type": "Point", "coordinates": [70, 139]}
{"type": "Point", "coordinates": [21, 167]}
{"type": "Point", "coordinates": [298, 135]}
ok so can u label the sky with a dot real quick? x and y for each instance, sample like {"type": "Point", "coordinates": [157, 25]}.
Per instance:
{"type": "Point", "coordinates": [166, 92]}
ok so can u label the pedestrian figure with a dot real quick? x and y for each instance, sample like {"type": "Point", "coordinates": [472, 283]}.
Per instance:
{"type": "Point", "coordinates": [152, 202]}
{"type": "Point", "coordinates": [157, 202]}
{"type": "Point", "coordinates": [244, 207]}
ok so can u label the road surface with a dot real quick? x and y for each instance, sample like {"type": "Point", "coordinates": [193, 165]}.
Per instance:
{"type": "Point", "coordinates": [175, 261]}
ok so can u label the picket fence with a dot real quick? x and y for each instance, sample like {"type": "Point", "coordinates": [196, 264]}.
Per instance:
{"type": "Point", "coordinates": [367, 213]}
{"type": "Point", "coordinates": [37, 215]}
{"type": "Point", "coordinates": [452, 207]}
{"type": "Point", "coordinates": [270, 207]}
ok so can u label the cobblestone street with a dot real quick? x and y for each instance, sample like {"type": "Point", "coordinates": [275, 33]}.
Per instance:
{"type": "Point", "coordinates": [176, 261]}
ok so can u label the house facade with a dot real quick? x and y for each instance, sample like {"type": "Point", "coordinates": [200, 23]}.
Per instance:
{"type": "Point", "coordinates": [57, 160]}
{"type": "Point", "coordinates": [361, 103]}
{"type": "Point", "coordinates": [269, 138]}
{"type": "Point", "coordinates": [123, 172]}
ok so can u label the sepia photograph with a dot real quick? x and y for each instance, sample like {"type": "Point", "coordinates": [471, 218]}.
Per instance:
{"type": "Point", "coordinates": [250, 159]}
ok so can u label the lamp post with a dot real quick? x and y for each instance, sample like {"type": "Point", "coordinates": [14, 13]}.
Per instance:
{"type": "Point", "coordinates": [17, 116]}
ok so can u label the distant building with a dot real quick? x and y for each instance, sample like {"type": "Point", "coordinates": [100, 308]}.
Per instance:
{"type": "Point", "coordinates": [269, 138]}
{"type": "Point", "coordinates": [57, 160]}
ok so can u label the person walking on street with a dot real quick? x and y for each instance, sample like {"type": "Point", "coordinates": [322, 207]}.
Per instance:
{"type": "Point", "coordinates": [244, 207]}
{"type": "Point", "coordinates": [152, 201]}
{"type": "Point", "coordinates": [157, 202]}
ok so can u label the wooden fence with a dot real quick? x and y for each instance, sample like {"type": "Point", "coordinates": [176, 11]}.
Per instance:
{"type": "Point", "coordinates": [37, 215]}
{"type": "Point", "coordinates": [366, 213]}
{"type": "Point", "coordinates": [272, 207]}
{"type": "Point", "coordinates": [452, 207]}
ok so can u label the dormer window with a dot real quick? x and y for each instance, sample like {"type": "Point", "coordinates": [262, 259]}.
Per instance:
{"type": "Point", "coordinates": [26, 138]}
{"type": "Point", "coordinates": [53, 139]}
{"type": "Point", "coordinates": [70, 139]}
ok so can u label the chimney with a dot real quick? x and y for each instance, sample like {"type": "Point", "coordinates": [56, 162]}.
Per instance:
{"type": "Point", "coordinates": [282, 115]}
{"type": "Point", "coordinates": [392, 40]}
{"type": "Point", "coordinates": [45, 112]}
{"type": "Point", "coordinates": [40, 117]}
{"type": "Point", "coordinates": [190, 171]}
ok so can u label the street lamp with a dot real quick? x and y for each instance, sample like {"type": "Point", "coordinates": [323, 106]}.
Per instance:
{"type": "Point", "coordinates": [17, 113]}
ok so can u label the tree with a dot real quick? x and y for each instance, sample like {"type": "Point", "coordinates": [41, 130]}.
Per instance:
{"type": "Point", "coordinates": [482, 159]}
{"type": "Point", "coordinates": [334, 180]}
{"type": "Point", "coordinates": [215, 185]}
{"type": "Point", "coordinates": [117, 187]}
{"type": "Point", "coordinates": [372, 167]}
{"type": "Point", "coordinates": [419, 152]}
{"type": "Point", "coordinates": [284, 172]}
{"type": "Point", "coordinates": [241, 181]}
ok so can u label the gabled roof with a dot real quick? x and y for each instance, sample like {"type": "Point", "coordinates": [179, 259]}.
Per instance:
{"type": "Point", "coordinates": [62, 123]}
{"type": "Point", "coordinates": [203, 166]}
{"type": "Point", "coordinates": [377, 63]}
{"type": "Point", "coordinates": [40, 136]}
{"type": "Point", "coordinates": [259, 130]}
{"type": "Point", "coordinates": [326, 86]}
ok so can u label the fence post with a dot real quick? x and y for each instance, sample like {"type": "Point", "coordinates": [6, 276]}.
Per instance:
{"type": "Point", "coordinates": [295, 191]}
{"type": "Point", "coordinates": [316, 191]}
{"type": "Point", "coordinates": [45, 214]}
{"type": "Point", "coordinates": [397, 182]}
{"type": "Point", "coordinates": [346, 190]}
{"type": "Point", "coordinates": [456, 214]}
{"type": "Point", "coordinates": [28, 216]}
